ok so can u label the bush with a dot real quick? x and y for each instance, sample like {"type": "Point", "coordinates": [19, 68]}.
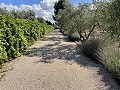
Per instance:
{"type": "Point", "coordinates": [91, 48]}
{"type": "Point", "coordinates": [17, 34]}
{"type": "Point", "coordinates": [111, 58]}
{"type": "Point", "coordinates": [106, 52]}
{"type": "Point", "coordinates": [73, 36]}
{"type": "Point", "coordinates": [3, 55]}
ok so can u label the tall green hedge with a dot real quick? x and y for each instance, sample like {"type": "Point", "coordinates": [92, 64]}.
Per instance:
{"type": "Point", "coordinates": [17, 34]}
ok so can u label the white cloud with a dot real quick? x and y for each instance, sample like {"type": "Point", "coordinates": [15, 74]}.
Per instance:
{"type": "Point", "coordinates": [9, 7]}
{"type": "Point", "coordinates": [44, 9]}
{"type": "Point", "coordinates": [47, 4]}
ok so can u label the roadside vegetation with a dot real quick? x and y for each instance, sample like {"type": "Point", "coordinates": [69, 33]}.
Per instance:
{"type": "Point", "coordinates": [18, 32]}
{"type": "Point", "coordinates": [96, 27]}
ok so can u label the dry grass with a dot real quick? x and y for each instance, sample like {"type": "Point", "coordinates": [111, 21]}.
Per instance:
{"type": "Point", "coordinates": [107, 53]}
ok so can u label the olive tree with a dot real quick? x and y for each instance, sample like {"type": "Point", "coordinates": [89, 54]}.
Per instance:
{"type": "Point", "coordinates": [109, 18]}
{"type": "Point", "coordinates": [83, 21]}
{"type": "Point", "coordinates": [80, 19]}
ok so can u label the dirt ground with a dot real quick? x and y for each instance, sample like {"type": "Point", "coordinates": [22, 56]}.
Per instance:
{"type": "Point", "coordinates": [55, 64]}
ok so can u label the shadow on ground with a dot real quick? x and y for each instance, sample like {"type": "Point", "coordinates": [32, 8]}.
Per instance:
{"type": "Point", "coordinates": [68, 52]}
{"type": "Point", "coordinates": [54, 51]}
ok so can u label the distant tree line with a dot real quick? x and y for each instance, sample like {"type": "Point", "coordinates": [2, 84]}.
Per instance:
{"type": "Point", "coordinates": [29, 14]}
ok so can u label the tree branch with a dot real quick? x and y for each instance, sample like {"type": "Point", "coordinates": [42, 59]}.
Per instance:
{"type": "Point", "coordinates": [93, 27]}
{"type": "Point", "coordinates": [82, 38]}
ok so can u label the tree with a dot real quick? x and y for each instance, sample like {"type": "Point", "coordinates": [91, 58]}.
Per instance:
{"type": "Point", "coordinates": [80, 20]}
{"type": "Point", "coordinates": [41, 20]}
{"type": "Point", "coordinates": [3, 11]}
{"type": "Point", "coordinates": [31, 14]}
{"type": "Point", "coordinates": [109, 18]}
{"type": "Point", "coordinates": [23, 14]}
{"type": "Point", "coordinates": [62, 17]}
{"type": "Point", "coordinates": [58, 5]}
{"type": "Point", "coordinates": [48, 22]}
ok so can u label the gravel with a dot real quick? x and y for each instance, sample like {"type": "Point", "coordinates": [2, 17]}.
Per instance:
{"type": "Point", "coordinates": [55, 64]}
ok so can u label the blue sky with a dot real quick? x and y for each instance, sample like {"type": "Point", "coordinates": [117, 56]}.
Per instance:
{"type": "Point", "coordinates": [31, 2]}
{"type": "Point", "coordinates": [77, 1]}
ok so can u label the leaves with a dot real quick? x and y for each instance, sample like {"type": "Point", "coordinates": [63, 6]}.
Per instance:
{"type": "Point", "coordinates": [17, 34]}
{"type": "Point", "coordinates": [77, 19]}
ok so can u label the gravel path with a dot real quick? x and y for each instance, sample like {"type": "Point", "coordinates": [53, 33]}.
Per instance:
{"type": "Point", "coordinates": [55, 64]}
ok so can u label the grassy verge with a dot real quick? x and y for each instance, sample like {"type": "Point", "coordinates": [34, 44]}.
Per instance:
{"type": "Point", "coordinates": [106, 52]}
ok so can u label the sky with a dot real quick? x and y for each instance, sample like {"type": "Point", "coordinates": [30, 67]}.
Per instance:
{"type": "Point", "coordinates": [42, 8]}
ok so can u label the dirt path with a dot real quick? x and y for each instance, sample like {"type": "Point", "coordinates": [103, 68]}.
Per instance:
{"type": "Point", "coordinates": [55, 64]}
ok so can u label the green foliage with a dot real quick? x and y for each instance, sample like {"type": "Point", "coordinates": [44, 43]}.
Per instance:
{"type": "Point", "coordinates": [41, 20]}
{"type": "Point", "coordinates": [17, 34]}
{"type": "Point", "coordinates": [48, 22]}
{"type": "Point", "coordinates": [3, 11]}
{"type": "Point", "coordinates": [91, 48]}
{"type": "Point", "coordinates": [18, 14]}
{"type": "Point", "coordinates": [3, 55]}
{"type": "Point", "coordinates": [109, 17]}
{"type": "Point", "coordinates": [110, 57]}
{"type": "Point", "coordinates": [58, 5]}
{"type": "Point", "coordinates": [80, 19]}
{"type": "Point", "coordinates": [73, 36]}
{"type": "Point", "coordinates": [93, 26]}
{"type": "Point", "coordinates": [107, 52]}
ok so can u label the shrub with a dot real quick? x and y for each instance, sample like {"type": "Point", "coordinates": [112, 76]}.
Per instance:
{"type": "Point", "coordinates": [3, 55]}
{"type": "Point", "coordinates": [17, 34]}
{"type": "Point", "coordinates": [106, 52]}
{"type": "Point", "coordinates": [91, 48]}
{"type": "Point", "coordinates": [73, 36]}
{"type": "Point", "coordinates": [110, 57]}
